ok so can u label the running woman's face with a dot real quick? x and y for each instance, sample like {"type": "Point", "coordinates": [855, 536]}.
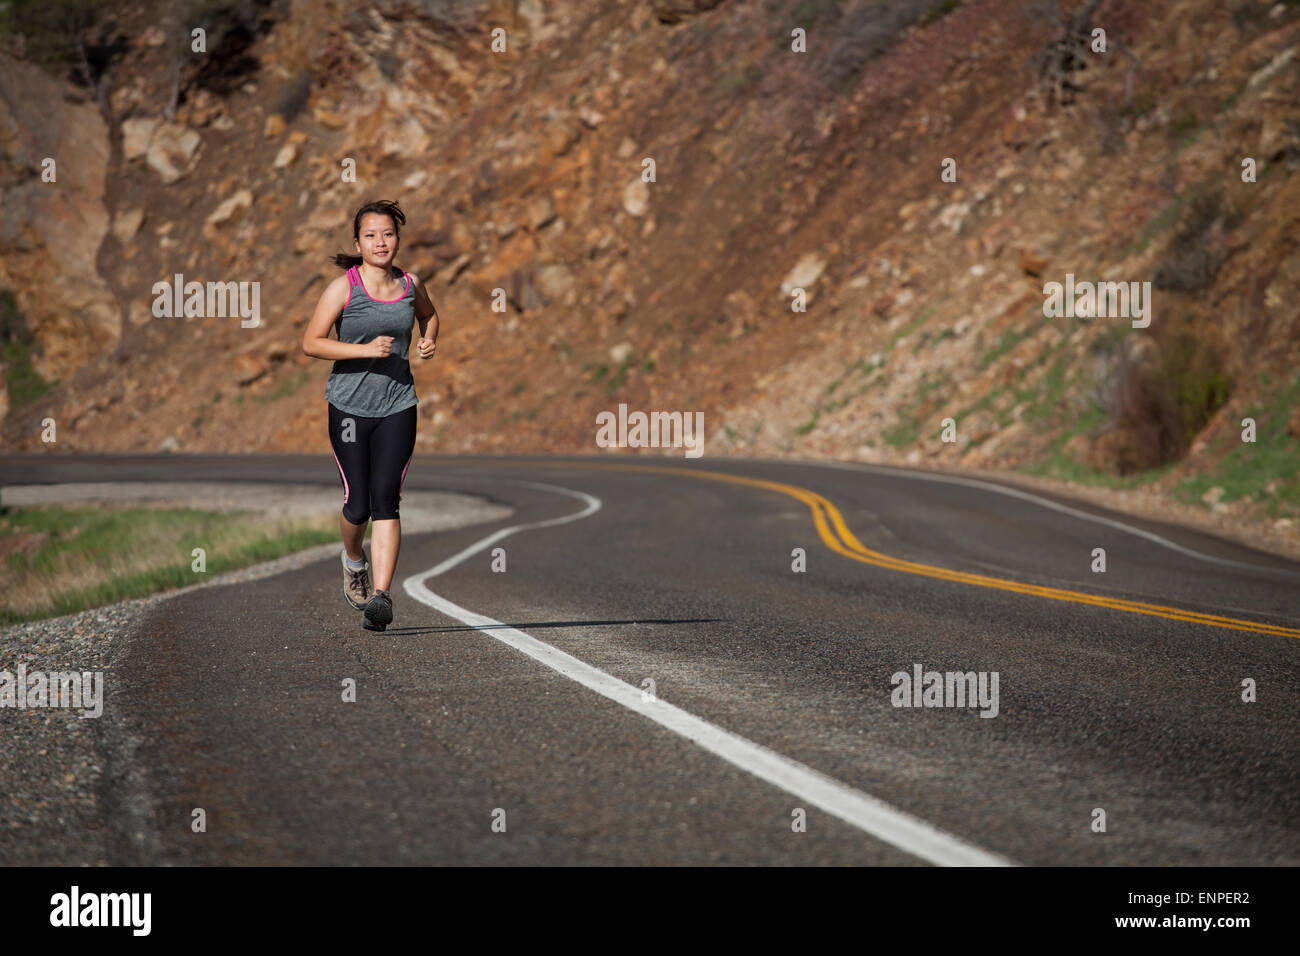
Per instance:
{"type": "Point", "coordinates": [378, 242]}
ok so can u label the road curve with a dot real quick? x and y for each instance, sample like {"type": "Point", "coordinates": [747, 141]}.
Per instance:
{"type": "Point", "coordinates": [524, 696]}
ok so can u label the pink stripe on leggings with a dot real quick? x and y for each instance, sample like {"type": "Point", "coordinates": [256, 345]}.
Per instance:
{"type": "Point", "coordinates": [345, 477]}
{"type": "Point", "coordinates": [403, 478]}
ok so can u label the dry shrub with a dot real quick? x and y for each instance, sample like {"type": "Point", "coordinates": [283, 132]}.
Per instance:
{"type": "Point", "coordinates": [1158, 395]}
{"type": "Point", "coordinates": [1192, 258]}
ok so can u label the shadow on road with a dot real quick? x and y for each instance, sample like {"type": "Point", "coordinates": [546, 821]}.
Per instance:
{"type": "Point", "coordinates": [535, 624]}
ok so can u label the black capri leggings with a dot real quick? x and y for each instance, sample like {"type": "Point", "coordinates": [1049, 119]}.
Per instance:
{"type": "Point", "coordinates": [372, 456]}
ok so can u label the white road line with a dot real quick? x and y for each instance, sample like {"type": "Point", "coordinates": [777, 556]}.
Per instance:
{"type": "Point", "coordinates": [908, 833]}
{"type": "Point", "coordinates": [1035, 499]}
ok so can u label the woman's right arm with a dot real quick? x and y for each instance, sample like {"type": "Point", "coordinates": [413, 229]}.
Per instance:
{"type": "Point", "coordinates": [316, 341]}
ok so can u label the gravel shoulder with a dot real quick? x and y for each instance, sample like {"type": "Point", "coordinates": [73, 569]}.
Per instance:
{"type": "Point", "coordinates": [421, 510]}
{"type": "Point", "coordinates": [55, 763]}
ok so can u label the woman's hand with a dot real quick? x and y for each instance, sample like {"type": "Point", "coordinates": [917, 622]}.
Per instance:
{"type": "Point", "coordinates": [426, 347]}
{"type": "Point", "coordinates": [381, 346]}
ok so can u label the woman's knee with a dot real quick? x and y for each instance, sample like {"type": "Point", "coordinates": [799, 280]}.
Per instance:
{"type": "Point", "coordinates": [384, 509]}
{"type": "Point", "coordinates": [355, 513]}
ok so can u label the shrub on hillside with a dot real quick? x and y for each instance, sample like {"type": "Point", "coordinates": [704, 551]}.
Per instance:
{"type": "Point", "coordinates": [1191, 261]}
{"type": "Point", "coordinates": [64, 37]}
{"type": "Point", "coordinates": [1158, 395]}
{"type": "Point", "coordinates": [231, 28]}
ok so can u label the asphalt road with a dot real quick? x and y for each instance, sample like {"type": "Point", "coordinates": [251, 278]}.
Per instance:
{"type": "Point", "coordinates": [521, 697]}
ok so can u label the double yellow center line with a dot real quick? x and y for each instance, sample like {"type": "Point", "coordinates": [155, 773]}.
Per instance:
{"type": "Point", "coordinates": [836, 535]}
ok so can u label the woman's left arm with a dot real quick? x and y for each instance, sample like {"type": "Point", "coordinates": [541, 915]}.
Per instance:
{"type": "Point", "coordinates": [424, 311]}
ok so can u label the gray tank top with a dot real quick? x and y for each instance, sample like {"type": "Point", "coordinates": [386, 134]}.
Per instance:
{"type": "Point", "coordinates": [374, 387]}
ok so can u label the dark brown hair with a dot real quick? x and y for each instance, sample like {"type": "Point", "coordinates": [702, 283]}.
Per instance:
{"type": "Point", "coordinates": [384, 207]}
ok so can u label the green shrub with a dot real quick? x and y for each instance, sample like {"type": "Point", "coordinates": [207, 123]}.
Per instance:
{"type": "Point", "coordinates": [23, 383]}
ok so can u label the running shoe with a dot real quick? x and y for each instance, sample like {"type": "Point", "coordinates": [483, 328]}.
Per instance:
{"type": "Point", "coordinates": [379, 611]}
{"type": "Point", "coordinates": [356, 584]}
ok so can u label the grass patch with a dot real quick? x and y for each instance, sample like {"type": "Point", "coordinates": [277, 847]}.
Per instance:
{"type": "Point", "coordinates": [926, 340]}
{"type": "Point", "coordinates": [23, 382]}
{"type": "Point", "coordinates": [1159, 223]}
{"type": "Point", "coordinates": [1046, 400]}
{"type": "Point", "coordinates": [907, 430]}
{"type": "Point", "coordinates": [908, 330]}
{"type": "Point", "coordinates": [1250, 467]}
{"type": "Point", "coordinates": [1010, 339]}
{"type": "Point", "coordinates": [986, 401]}
{"type": "Point", "coordinates": [61, 560]}
{"type": "Point", "coordinates": [619, 377]}
{"type": "Point", "coordinates": [17, 346]}
{"type": "Point", "coordinates": [931, 385]}
{"type": "Point", "coordinates": [833, 405]}
{"type": "Point", "coordinates": [1057, 464]}
{"type": "Point", "coordinates": [903, 432]}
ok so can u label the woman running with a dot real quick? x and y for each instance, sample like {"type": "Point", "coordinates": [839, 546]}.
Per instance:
{"type": "Point", "coordinates": [371, 396]}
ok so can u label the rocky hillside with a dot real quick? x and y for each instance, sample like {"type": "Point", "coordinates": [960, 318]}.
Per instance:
{"type": "Point", "coordinates": [854, 211]}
